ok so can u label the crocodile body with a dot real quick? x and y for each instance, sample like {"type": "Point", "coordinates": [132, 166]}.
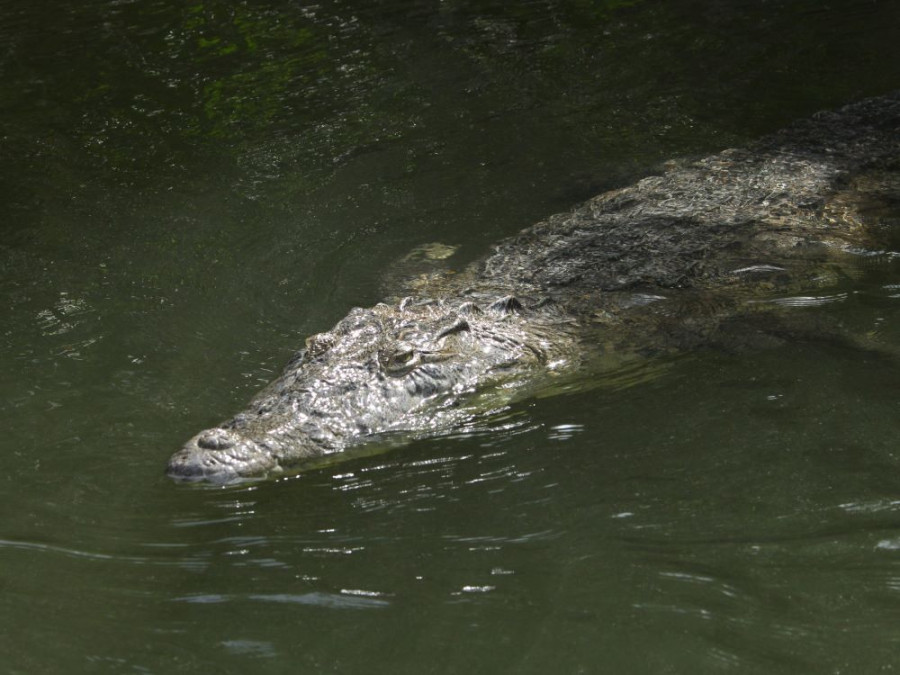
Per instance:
{"type": "Point", "coordinates": [660, 265]}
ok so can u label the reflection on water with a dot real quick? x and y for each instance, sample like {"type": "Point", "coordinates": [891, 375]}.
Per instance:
{"type": "Point", "coordinates": [187, 191]}
{"type": "Point", "coordinates": [717, 531]}
{"type": "Point", "coordinates": [346, 599]}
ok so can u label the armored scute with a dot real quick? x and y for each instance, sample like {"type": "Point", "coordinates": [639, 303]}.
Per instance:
{"type": "Point", "coordinates": [669, 263]}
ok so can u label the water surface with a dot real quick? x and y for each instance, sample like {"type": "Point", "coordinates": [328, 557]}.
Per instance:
{"type": "Point", "coordinates": [187, 191]}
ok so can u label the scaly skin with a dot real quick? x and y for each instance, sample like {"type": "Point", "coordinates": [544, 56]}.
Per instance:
{"type": "Point", "coordinates": [661, 265]}
{"type": "Point", "coordinates": [408, 367]}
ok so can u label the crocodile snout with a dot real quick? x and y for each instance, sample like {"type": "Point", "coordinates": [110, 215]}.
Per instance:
{"type": "Point", "coordinates": [220, 456]}
{"type": "Point", "coordinates": [216, 439]}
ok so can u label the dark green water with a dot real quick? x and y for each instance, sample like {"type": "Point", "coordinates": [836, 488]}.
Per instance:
{"type": "Point", "coordinates": [187, 191]}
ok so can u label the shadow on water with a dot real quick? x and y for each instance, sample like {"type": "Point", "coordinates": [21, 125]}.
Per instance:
{"type": "Point", "coordinates": [188, 191]}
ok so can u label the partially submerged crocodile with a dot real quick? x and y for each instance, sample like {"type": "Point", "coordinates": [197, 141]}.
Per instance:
{"type": "Point", "coordinates": [665, 264]}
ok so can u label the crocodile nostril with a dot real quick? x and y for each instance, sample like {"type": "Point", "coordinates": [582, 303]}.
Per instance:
{"type": "Point", "coordinates": [215, 439]}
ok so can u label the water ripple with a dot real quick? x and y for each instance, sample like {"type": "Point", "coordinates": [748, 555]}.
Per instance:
{"type": "Point", "coordinates": [93, 555]}
{"type": "Point", "coordinates": [346, 599]}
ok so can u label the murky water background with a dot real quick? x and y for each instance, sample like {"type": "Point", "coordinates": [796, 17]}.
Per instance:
{"type": "Point", "coordinates": [187, 191]}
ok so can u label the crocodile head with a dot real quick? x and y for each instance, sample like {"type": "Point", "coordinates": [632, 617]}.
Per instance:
{"type": "Point", "coordinates": [419, 367]}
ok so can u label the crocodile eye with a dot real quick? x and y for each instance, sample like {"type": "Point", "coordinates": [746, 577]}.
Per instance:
{"type": "Point", "coordinates": [399, 362]}
{"type": "Point", "coordinates": [403, 358]}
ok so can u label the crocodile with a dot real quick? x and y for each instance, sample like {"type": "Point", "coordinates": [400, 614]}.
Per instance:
{"type": "Point", "coordinates": [688, 257]}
